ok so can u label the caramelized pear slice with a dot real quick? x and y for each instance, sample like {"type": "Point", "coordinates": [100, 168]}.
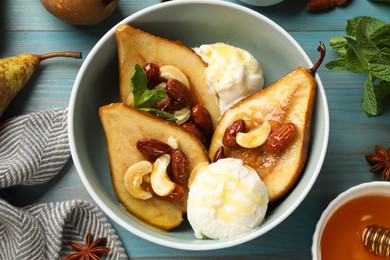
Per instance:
{"type": "Point", "coordinates": [138, 47]}
{"type": "Point", "coordinates": [123, 127]}
{"type": "Point", "coordinates": [288, 100]}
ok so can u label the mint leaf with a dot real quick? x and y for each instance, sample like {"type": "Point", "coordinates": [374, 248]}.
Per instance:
{"type": "Point", "coordinates": [159, 113]}
{"type": "Point", "coordinates": [375, 96]}
{"type": "Point", "coordinates": [379, 65]}
{"type": "Point", "coordinates": [366, 47]}
{"type": "Point", "coordinates": [369, 102]}
{"type": "Point", "coordinates": [144, 97]}
{"type": "Point", "coordinates": [348, 61]}
{"type": "Point", "coordinates": [355, 58]}
{"type": "Point", "coordinates": [370, 23]}
{"type": "Point", "coordinates": [381, 37]}
{"type": "Point", "coordinates": [339, 44]}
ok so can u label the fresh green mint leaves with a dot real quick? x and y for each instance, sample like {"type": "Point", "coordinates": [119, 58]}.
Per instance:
{"type": "Point", "coordinates": [144, 98]}
{"type": "Point", "coordinates": [159, 113]}
{"type": "Point", "coordinates": [366, 48]}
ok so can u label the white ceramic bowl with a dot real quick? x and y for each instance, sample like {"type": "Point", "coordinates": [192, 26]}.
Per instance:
{"type": "Point", "coordinates": [369, 188]}
{"type": "Point", "coordinates": [262, 2]}
{"type": "Point", "coordinates": [193, 23]}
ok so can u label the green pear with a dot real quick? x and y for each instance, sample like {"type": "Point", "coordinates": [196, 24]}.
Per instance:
{"type": "Point", "coordinates": [15, 71]}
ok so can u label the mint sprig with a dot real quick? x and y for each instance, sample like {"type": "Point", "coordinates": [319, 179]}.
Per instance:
{"type": "Point", "coordinates": [159, 113]}
{"type": "Point", "coordinates": [366, 47]}
{"type": "Point", "coordinates": [144, 98]}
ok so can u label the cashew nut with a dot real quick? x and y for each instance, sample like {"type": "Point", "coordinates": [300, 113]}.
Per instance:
{"type": "Point", "coordinates": [173, 142]}
{"type": "Point", "coordinates": [133, 179]}
{"type": "Point", "coordinates": [171, 72]}
{"type": "Point", "coordinates": [254, 138]}
{"type": "Point", "coordinates": [160, 181]}
{"type": "Point", "coordinates": [182, 115]}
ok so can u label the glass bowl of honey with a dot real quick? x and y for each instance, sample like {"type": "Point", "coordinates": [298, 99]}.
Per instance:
{"type": "Point", "coordinates": [355, 225]}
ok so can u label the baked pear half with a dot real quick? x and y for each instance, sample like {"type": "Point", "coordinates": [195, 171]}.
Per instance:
{"type": "Point", "coordinates": [124, 126]}
{"type": "Point", "coordinates": [138, 47]}
{"type": "Point", "coordinates": [270, 130]}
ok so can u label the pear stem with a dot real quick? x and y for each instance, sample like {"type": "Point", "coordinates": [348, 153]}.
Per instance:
{"type": "Point", "coordinates": [321, 48]}
{"type": "Point", "coordinates": [76, 55]}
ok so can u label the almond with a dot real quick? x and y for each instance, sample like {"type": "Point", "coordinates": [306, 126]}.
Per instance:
{"type": "Point", "coordinates": [202, 118]}
{"type": "Point", "coordinates": [179, 164]}
{"type": "Point", "coordinates": [281, 136]}
{"type": "Point", "coordinates": [167, 105]}
{"type": "Point", "coordinates": [195, 131]}
{"type": "Point", "coordinates": [322, 5]}
{"type": "Point", "coordinates": [153, 147]}
{"type": "Point", "coordinates": [152, 71]}
{"type": "Point", "coordinates": [229, 137]}
{"type": "Point", "coordinates": [175, 195]}
{"type": "Point", "coordinates": [178, 92]}
{"type": "Point", "coordinates": [219, 154]}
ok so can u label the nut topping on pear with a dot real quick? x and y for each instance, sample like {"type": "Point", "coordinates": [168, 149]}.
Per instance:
{"type": "Point", "coordinates": [288, 105]}
{"type": "Point", "coordinates": [134, 136]}
{"type": "Point", "coordinates": [139, 47]}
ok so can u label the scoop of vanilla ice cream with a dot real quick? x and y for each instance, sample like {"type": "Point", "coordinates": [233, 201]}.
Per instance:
{"type": "Point", "coordinates": [226, 199]}
{"type": "Point", "coordinates": [232, 72]}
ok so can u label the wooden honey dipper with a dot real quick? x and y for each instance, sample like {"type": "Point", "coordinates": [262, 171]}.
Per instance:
{"type": "Point", "coordinates": [376, 240]}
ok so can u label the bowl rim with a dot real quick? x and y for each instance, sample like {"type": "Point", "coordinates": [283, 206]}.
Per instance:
{"type": "Point", "coordinates": [178, 245]}
{"type": "Point", "coordinates": [261, 2]}
{"type": "Point", "coordinates": [366, 188]}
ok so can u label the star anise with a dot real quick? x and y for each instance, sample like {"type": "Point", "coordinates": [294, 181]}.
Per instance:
{"type": "Point", "coordinates": [380, 161]}
{"type": "Point", "coordinates": [92, 250]}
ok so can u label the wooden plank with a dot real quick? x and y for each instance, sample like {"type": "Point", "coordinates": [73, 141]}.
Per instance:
{"type": "Point", "coordinates": [25, 26]}
{"type": "Point", "coordinates": [24, 15]}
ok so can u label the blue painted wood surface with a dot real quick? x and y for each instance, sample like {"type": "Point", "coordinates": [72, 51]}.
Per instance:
{"type": "Point", "coordinates": [26, 27]}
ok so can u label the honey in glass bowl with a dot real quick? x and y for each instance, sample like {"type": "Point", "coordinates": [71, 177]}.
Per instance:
{"type": "Point", "coordinates": [344, 233]}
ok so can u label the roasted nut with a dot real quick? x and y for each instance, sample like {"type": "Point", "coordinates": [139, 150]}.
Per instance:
{"type": "Point", "coordinates": [195, 131]}
{"type": "Point", "coordinates": [254, 138]}
{"type": "Point", "coordinates": [171, 72]}
{"type": "Point", "coordinates": [229, 137]}
{"type": "Point", "coordinates": [160, 181]}
{"type": "Point", "coordinates": [173, 142]}
{"type": "Point", "coordinates": [178, 92]}
{"type": "Point", "coordinates": [153, 147]}
{"type": "Point", "coordinates": [175, 195]}
{"type": "Point", "coordinates": [134, 177]}
{"type": "Point", "coordinates": [281, 136]}
{"type": "Point", "coordinates": [182, 115]}
{"type": "Point", "coordinates": [166, 105]}
{"type": "Point", "coordinates": [321, 5]}
{"type": "Point", "coordinates": [202, 118]}
{"type": "Point", "coordinates": [219, 154]}
{"type": "Point", "coordinates": [152, 71]}
{"type": "Point", "coordinates": [179, 164]}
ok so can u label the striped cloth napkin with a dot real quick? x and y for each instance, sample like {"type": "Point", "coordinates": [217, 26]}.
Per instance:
{"type": "Point", "coordinates": [33, 149]}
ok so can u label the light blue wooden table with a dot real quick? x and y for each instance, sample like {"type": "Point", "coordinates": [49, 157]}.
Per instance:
{"type": "Point", "coordinates": [26, 27]}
